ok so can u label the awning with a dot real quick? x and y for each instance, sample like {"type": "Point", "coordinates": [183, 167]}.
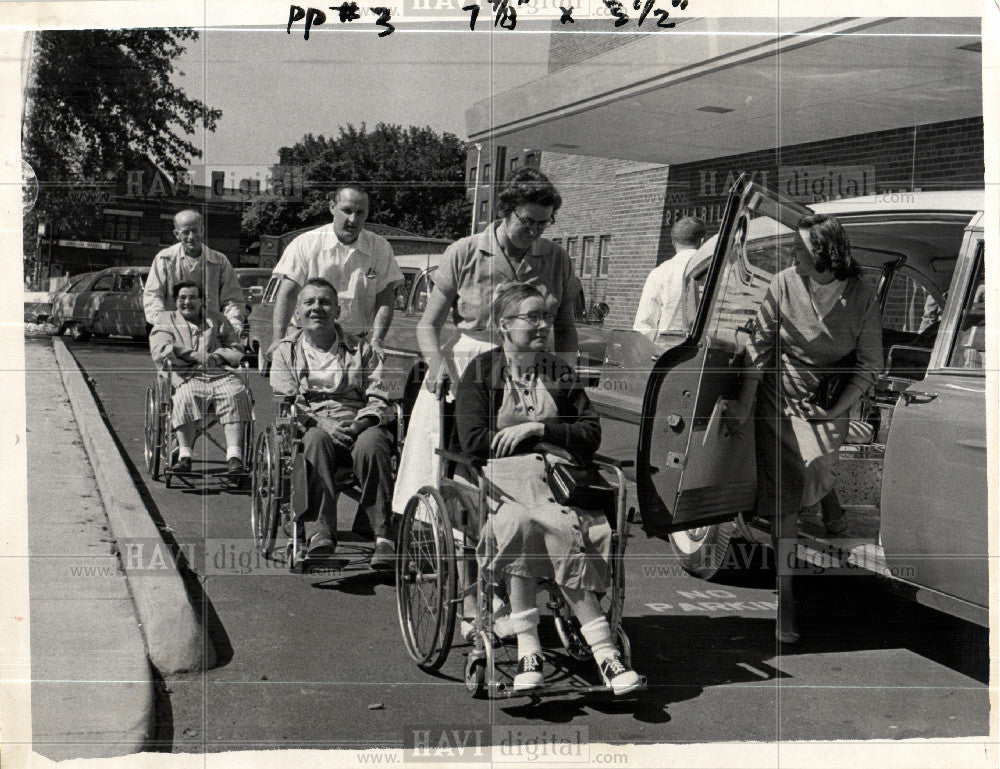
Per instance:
{"type": "Point", "coordinates": [716, 87]}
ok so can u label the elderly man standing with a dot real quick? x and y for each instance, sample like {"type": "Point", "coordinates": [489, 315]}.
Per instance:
{"type": "Point", "coordinates": [359, 265]}
{"type": "Point", "coordinates": [661, 308]}
{"type": "Point", "coordinates": [200, 345]}
{"type": "Point", "coordinates": [336, 381]}
{"type": "Point", "coordinates": [191, 260]}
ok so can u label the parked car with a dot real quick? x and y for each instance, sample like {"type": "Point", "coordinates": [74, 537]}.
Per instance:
{"type": "Point", "coordinates": [913, 479]}
{"type": "Point", "coordinates": [102, 304]}
{"type": "Point", "coordinates": [252, 280]}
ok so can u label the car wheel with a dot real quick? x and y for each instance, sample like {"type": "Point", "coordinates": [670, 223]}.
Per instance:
{"type": "Point", "coordinates": [78, 334]}
{"type": "Point", "coordinates": [702, 552]}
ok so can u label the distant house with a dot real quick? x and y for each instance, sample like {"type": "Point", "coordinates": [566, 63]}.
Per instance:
{"type": "Point", "coordinates": [135, 220]}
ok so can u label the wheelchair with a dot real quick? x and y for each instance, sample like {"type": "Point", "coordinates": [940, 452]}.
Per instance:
{"type": "Point", "coordinates": [279, 496]}
{"type": "Point", "coordinates": [160, 448]}
{"type": "Point", "coordinates": [436, 571]}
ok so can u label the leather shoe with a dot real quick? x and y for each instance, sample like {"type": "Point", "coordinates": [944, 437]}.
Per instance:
{"type": "Point", "coordinates": [384, 557]}
{"type": "Point", "coordinates": [182, 465]}
{"type": "Point", "coordinates": [234, 466]}
{"type": "Point", "coordinates": [321, 545]}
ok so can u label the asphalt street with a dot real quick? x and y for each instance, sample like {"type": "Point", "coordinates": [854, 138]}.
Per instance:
{"type": "Point", "coordinates": [318, 661]}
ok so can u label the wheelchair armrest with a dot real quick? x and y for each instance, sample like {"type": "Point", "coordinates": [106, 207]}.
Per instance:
{"type": "Point", "coordinates": [466, 460]}
{"type": "Point", "coordinates": [600, 459]}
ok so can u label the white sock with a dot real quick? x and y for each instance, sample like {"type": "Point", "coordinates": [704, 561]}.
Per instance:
{"type": "Point", "coordinates": [380, 540]}
{"type": "Point", "coordinates": [525, 624]}
{"type": "Point", "coordinates": [183, 451]}
{"type": "Point", "coordinates": [597, 633]}
{"type": "Point", "coordinates": [234, 452]}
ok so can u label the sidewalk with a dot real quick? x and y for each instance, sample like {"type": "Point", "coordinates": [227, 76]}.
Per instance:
{"type": "Point", "coordinates": [92, 690]}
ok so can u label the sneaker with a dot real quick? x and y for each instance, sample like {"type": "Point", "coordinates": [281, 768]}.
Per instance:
{"type": "Point", "coordinates": [621, 678]}
{"type": "Point", "coordinates": [384, 557]}
{"type": "Point", "coordinates": [182, 465]}
{"type": "Point", "coordinates": [234, 466]}
{"type": "Point", "coordinates": [529, 673]}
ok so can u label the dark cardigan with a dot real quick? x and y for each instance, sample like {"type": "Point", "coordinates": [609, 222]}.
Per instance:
{"type": "Point", "coordinates": [480, 393]}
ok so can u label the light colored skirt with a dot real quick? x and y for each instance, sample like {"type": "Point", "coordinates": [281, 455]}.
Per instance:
{"type": "Point", "coordinates": [534, 536]}
{"type": "Point", "coordinates": [418, 464]}
{"type": "Point", "coordinates": [796, 457]}
{"type": "Point", "coordinates": [199, 397]}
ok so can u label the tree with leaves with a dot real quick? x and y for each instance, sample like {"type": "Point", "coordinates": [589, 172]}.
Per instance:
{"type": "Point", "coordinates": [99, 102]}
{"type": "Point", "coordinates": [414, 178]}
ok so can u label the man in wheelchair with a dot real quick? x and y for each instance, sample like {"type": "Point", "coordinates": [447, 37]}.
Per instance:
{"type": "Point", "coordinates": [517, 406]}
{"type": "Point", "coordinates": [198, 345]}
{"type": "Point", "coordinates": [336, 383]}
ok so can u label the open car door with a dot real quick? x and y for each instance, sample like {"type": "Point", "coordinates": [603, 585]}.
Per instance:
{"type": "Point", "coordinates": [689, 473]}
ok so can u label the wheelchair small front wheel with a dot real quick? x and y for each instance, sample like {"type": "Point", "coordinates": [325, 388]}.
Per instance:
{"type": "Point", "coordinates": [426, 583]}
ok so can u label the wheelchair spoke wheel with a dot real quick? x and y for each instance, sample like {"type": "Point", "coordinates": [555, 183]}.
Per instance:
{"type": "Point", "coordinates": [153, 435]}
{"type": "Point", "coordinates": [265, 491]}
{"type": "Point", "coordinates": [426, 579]}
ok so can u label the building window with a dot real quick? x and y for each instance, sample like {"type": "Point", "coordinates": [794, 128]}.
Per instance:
{"type": "Point", "coordinates": [571, 250]}
{"type": "Point", "coordinates": [604, 255]}
{"type": "Point", "coordinates": [513, 165]}
{"type": "Point", "coordinates": [587, 256]}
{"type": "Point", "coordinates": [121, 225]}
{"type": "Point", "coordinates": [486, 173]}
{"type": "Point", "coordinates": [484, 210]}
{"type": "Point", "coordinates": [167, 229]}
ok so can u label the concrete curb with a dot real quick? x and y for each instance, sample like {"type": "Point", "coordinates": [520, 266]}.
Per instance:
{"type": "Point", "coordinates": [175, 639]}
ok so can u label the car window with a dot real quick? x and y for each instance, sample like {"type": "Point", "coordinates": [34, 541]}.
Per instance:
{"type": "Point", "coordinates": [104, 283]}
{"type": "Point", "coordinates": [125, 283]}
{"type": "Point", "coordinates": [969, 348]}
{"type": "Point", "coordinates": [759, 249]}
{"type": "Point", "coordinates": [272, 288]}
{"type": "Point", "coordinates": [79, 284]}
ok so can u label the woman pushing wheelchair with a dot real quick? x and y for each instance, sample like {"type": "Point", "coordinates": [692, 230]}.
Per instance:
{"type": "Point", "coordinates": [512, 400]}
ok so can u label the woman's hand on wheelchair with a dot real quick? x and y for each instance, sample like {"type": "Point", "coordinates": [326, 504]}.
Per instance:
{"type": "Point", "coordinates": [435, 384]}
{"type": "Point", "coordinates": [506, 441]}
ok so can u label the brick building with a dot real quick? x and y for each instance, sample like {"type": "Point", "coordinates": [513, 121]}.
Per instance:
{"type": "Point", "coordinates": [637, 133]}
{"type": "Point", "coordinates": [135, 221]}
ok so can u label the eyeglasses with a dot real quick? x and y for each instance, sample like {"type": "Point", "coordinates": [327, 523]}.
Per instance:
{"type": "Point", "coordinates": [535, 318]}
{"type": "Point", "coordinates": [532, 223]}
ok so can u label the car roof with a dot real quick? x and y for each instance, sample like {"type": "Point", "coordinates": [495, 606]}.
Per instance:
{"type": "Point", "coordinates": [957, 201]}
{"type": "Point", "coordinates": [418, 261]}
{"type": "Point", "coordinates": [126, 270]}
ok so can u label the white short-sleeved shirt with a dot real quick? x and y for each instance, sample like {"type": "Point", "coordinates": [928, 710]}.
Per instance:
{"type": "Point", "coordinates": [358, 271]}
{"type": "Point", "coordinates": [661, 304]}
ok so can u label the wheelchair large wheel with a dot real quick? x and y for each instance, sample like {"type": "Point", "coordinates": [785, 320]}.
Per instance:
{"type": "Point", "coordinates": [426, 582]}
{"type": "Point", "coordinates": [265, 491]}
{"type": "Point", "coordinates": [154, 435]}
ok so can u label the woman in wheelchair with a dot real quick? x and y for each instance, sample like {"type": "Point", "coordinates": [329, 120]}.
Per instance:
{"type": "Point", "coordinates": [336, 383]}
{"type": "Point", "coordinates": [509, 401]}
{"type": "Point", "coordinates": [199, 345]}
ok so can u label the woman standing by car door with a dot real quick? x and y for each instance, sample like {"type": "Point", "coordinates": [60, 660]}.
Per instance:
{"type": "Point", "coordinates": [508, 250]}
{"type": "Point", "coordinates": [819, 332]}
